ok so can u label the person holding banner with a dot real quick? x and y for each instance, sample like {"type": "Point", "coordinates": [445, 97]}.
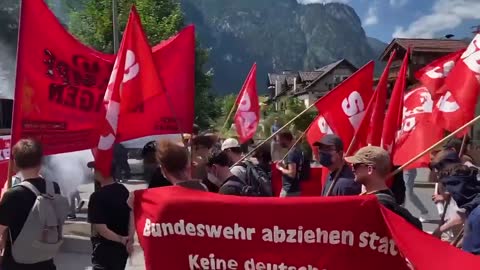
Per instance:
{"type": "Point", "coordinates": [371, 166]}
{"type": "Point", "coordinates": [461, 182]}
{"type": "Point", "coordinates": [331, 156]}
{"type": "Point", "coordinates": [174, 163]}
{"type": "Point", "coordinates": [219, 174]}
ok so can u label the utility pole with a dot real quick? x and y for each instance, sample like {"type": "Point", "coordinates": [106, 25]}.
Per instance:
{"type": "Point", "coordinates": [115, 26]}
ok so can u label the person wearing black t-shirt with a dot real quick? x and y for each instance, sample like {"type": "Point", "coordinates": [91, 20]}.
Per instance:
{"type": "Point", "coordinates": [152, 172]}
{"type": "Point", "coordinates": [109, 214]}
{"type": "Point", "coordinates": [17, 202]}
{"type": "Point", "coordinates": [219, 174]}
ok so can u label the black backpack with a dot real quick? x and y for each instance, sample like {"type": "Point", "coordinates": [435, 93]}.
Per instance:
{"type": "Point", "coordinates": [304, 168]}
{"type": "Point", "coordinates": [257, 182]}
{"type": "Point", "coordinates": [390, 202]}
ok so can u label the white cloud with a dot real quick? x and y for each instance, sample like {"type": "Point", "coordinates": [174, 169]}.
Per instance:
{"type": "Point", "coordinates": [372, 17]}
{"type": "Point", "coordinates": [398, 3]}
{"type": "Point", "coordinates": [306, 2]}
{"type": "Point", "coordinates": [445, 15]}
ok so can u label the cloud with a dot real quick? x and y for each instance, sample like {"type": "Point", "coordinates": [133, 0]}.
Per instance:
{"type": "Point", "coordinates": [306, 2]}
{"type": "Point", "coordinates": [372, 17]}
{"type": "Point", "coordinates": [398, 3]}
{"type": "Point", "coordinates": [445, 15]}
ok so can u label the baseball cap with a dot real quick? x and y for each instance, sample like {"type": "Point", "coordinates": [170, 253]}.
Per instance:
{"type": "Point", "coordinates": [330, 140]}
{"type": "Point", "coordinates": [455, 144]}
{"type": "Point", "coordinates": [230, 143]}
{"type": "Point", "coordinates": [371, 155]}
{"type": "Point", "coordinates": [443, 158]}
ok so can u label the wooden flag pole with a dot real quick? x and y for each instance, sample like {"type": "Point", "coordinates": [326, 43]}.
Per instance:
{"type": "Point", "coordinates": [273, 134]}
{"type": "Point", "coordinates": [229, 115]}
{"type": "Point", "coordinates": [426, 151]}
{"type": "Point", "coordinates": [291, 147]}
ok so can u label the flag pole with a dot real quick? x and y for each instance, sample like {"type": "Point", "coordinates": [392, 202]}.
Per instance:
{"type": "Point", "coordinates": [230, 113]}
{"type": "Point", "coordinates": [471, 122]}
{"type": "Point", "coordinates": [115, 26]}
{"type": "Point", "coordinates": [274, 134]}
{"type": "Point", "coordinates": [295, 144]}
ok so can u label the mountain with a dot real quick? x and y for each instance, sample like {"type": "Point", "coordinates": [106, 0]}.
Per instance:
{"type": "Point", "coordinates": [278, 35]}
{"type": "Point", "coordinates": [378, 47]}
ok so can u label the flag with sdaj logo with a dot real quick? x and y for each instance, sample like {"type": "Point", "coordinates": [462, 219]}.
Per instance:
{"type": "Point", "coordinates": [247, 116]}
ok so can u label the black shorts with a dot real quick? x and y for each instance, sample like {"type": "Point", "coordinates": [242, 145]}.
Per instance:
{"type": "Point", "coordinates": [109, 257]}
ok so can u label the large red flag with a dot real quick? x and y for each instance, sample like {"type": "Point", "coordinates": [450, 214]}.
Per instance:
{"type": "Point", "coordinates": [433, 75]}
{"type": "Point", "coordinates": [134, 80]}
{"type": "Point", "coordinates": [370, 129]}
{"type": "Point", "coordinates": [60, 84]}
{"type": "Point", "coordinates": [418, 129]}
{"type": "Point", "coordinates": [459, 97]}
{"type": "Point", "coordinates": [343, 107]}
{"type": "Point", "coordinates": [248, 111]}
{"type": "Point", "coordinates": [175, 62]}
{"type": "Point", "coordinates": [393, 118]}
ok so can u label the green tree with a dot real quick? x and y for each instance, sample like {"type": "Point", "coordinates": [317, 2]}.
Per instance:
{"type": "Point", "coordinates": [294, 107]}
{"type": "Point", "coordinates": [92, 24]}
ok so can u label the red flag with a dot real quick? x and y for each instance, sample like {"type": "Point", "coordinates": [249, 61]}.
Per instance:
{"type": "Point", "coordinates": [460, 94]}
{"type": "Point", "coordinates": [134, 80]}
{"type": "Point", "coordinates": [393, 118]}
{"type": "Point", "coordinates": [343, 107]}
{"type": "Point", "coordinates": [418, 129]}
{"type": "Point", "coordinates": [248, 111]}
{"type": "Point", "coordinates": [370, 129]}
{"type": "Point", "coordinates": [60, 84]}
{"type": "Point", "coordinates": [433, 75]}
{"type": "Point", "coordinates": [175, 62]}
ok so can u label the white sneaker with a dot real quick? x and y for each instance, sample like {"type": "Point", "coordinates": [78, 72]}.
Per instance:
{"type": "Point", "coordinates": [424, 218]}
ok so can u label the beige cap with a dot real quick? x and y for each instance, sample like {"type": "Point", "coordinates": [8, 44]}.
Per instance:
{"type": "Point", "coordinates": [371, 155]}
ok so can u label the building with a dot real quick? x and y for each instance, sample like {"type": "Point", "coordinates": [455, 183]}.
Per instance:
{"type": "Point", "coordinates": [422, 52]}
{"type": "Point", "coordinates": [307, 86]}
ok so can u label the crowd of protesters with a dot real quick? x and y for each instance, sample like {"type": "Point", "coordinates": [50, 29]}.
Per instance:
{"type": "Point", "coordinates": [210, 164]}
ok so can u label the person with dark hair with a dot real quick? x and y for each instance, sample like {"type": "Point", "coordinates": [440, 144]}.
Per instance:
{"type": "Point", "coordinates": [331, 155]}
{"type": "Point", "coordinates": [220, 175]}
{"type": "Point", "coordinates": [461, 183]}
{"type": "Point", "coordinates": [152, 172]}
{"type": "Point", "coordinates": [17, 207]}
{"type": "Point", "coordinates": [290, 168]}
{"type": "Point", "coordinates": [234, 152]}
{"type": "Point", "coordinates": [201, 146]}
{"type": "Point", "coordinates": [264, 158]}
{"type": "Point", "coordinates": [455, 144]}
{"type": "Point", "coordinates": [174, 163]}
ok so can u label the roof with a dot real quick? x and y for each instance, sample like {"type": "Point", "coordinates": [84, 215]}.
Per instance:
{"type": "Point", "coordinates": [328, 68]}
{"type": "Point", "coordinates": [272, 77]}
{"type": "Point", "coordinates": [425, 45]}
{"type": "Point", "coordinates": [308, 76]}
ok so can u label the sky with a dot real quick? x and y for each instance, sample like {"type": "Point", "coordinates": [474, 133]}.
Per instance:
{"type": "Point", "coordinates": [386, 19]}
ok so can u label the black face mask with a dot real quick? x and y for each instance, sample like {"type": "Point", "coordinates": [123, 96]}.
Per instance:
{"type": "Point", "coordinates": [326, 159]}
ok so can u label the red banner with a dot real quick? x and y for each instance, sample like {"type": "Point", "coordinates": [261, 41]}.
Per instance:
{"type": "Point", "coordinates": [272, 233]}
{"type": "Point", "coordinates": [342, 109]}
{"type": "Point", "coordinates": [61, 85]}
{"type": "Point", "coordinates": [247, 116]}
{"type": "Point", "coordinates": [418, 129]}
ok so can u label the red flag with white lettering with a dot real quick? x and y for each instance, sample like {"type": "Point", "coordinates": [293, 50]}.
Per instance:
{"type": "Point", "coordinates": [418, 129]}
{"type": "Point", "coordinates": [343, 107]}
{"type": "Point", "coordinates": [459, 97]}
{"type": "Point", "coordinates": [393, 117]}
{"type": "Point", "coordinates": [134, 80]}
{"type": "Point", "coordinates": [433, 75]}
{"type": "Point", "coordinates": [370, 129]}
{"type": "Point", "coordinates": [248, 111]}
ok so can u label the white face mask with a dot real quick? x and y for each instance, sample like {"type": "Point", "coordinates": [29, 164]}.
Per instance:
{"type": "Point", "coordinates": [212, 178]}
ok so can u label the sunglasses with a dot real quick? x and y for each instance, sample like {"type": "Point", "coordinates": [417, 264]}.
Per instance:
{"type": "Point", "coordinates": [356, 166]}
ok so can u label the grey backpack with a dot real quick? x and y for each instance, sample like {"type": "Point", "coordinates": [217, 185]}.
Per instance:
{"type": "Point", "coordinates": [42, 234]}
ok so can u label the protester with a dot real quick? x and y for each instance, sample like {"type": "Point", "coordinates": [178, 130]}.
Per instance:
{"type": "Point", "coordinates": [109, 214]}
{"type": "Point", "coordinates": [201, 146]}
{"type": "Point", "coordinates": [174, 163]}
{"type": "Point", "coordinates": [461, 182]}
{"type": "Point", "coordinates": [330, 149]}
{"type": "Point", "coordinates": [234, 153]}
{"type": "Point", "coordinates": [371, 166]}
{"type": "Point", "coordinates": [291, 167]}
{"type": "Point", "coordinates": [264, 158]}
{"type": "Point", "coordinates": [220, 175]}
{"type": "Point", "coordinates": [19, 219]}
{"type": "Point", "coordinates": [76, 204]}
{"type": "Point", "coordinates": [410, 176]}
{"type": "Point", "coordinates": [152, 172]}
{"type": "Point", "coordinates": [120, 158]}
